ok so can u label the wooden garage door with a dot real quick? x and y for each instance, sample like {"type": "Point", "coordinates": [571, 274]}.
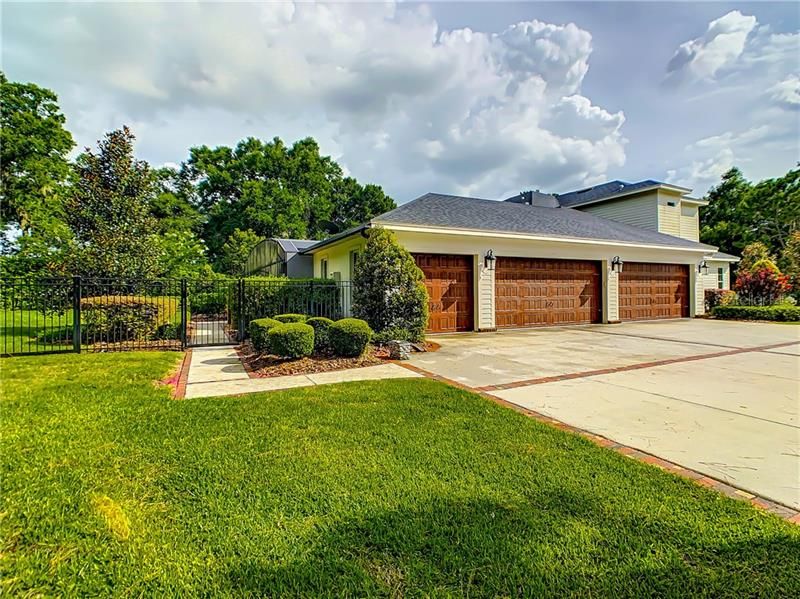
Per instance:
{"type": "Point", "coordinates": [538, 291]}
{"type": "Point", "coordinates": [649, 291]}
{"type": "Point", "coordinates": [448, 280]}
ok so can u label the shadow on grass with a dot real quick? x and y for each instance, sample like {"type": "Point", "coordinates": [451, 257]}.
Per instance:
{"type": "Point", "coordinates": [564, 545]}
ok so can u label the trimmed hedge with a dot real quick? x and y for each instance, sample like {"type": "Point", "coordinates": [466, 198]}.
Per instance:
{"type": "Point", "coordinates": [291, 318]}
{"type": "Point", "coordinates": [784, 313]}
{"type": "Point", "coordinates": [321, 325]}
{"type": "Point", "coordinates": [349, 337]}
{"type": "Point", "coordinates": [291, 340]}
{"type": "Point", "coordinates": [113, 318]}
{"type": "Point", "coordinates": [258, 333]}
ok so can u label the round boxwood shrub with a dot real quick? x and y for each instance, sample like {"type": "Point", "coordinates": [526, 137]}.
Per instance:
{"type": "Point", "coordinates": [291, 317]}
{"type": "Point", "coordinates": [348, 337]}
{"type": "Point", "coordinates": [258, 332]}
{"type": "Point", "coordinates": [320, 325]}
{"type": "Point", "coordinates": [291, 340]}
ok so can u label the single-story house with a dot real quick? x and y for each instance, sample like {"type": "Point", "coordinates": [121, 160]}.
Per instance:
{"type": "Point", "coordinates": [609, 253]}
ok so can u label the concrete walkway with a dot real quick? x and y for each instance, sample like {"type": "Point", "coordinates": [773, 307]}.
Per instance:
{"type": "Point", "coordinates": [218, 371]}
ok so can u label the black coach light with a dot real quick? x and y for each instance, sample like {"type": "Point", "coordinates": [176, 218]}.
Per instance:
{"type": "Point", "coordinates": [702, 268]}
{"type": "Point", "coordinates": [488, 260]}
{"type": "Point", "coordinates": [616, 264]}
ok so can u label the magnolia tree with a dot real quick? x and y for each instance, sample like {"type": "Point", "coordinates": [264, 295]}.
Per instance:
{"type": "Point", "coordinates": [389, 292]}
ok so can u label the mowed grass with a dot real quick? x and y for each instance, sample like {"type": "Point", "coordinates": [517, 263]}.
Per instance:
{"type": "Point", "coordinates": [27, 331]}
{"type": "Point", "coordinates": [406, 487]}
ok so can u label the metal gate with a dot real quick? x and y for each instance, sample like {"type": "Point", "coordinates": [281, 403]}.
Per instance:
{"type": "Point", "coordinates": [210, 312]}
{"type": "Point", "coordinates": [74, 314]}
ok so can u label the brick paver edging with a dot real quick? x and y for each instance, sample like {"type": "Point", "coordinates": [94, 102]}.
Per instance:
{"type": "Point", "coordinates": [639, 366]}
{"type": "Point", "coordinates": [183, 375]}
{"type": "Point", "coordinates": [783, 511]}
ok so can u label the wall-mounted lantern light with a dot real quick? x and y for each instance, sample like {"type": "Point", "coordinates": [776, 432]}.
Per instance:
{"type": "Point", "coordinates": [488, 260]}
{"type": "Point", "coordinates": [702, 268]}
{"type": "Point", "coordinates": [616, 264]}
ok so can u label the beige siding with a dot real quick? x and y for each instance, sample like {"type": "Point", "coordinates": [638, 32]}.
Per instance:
{"type": "Point", "coordinates": [690, 222]}
{"type": "Point", "coordinates": [669, 214]}
{"type": "Point", "coordinates": [485, 296]}
{"type": "Point", "coordinates": [338, 257]}
{"type": "Point", "coordinates": [639, 211]}
{"type": "Point", "coordinates": [710, 281]}
{"type": "Point", "coordinates": [699, 292]}
{"type": "Point", "coordinates": [612, 294]}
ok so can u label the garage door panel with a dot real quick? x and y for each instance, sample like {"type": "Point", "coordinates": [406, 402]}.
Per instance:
{"type": "Point", "coordinates": [650, 291]}
{"type": "Point", "coordinates": [448, 281]}
{"type": "Point", "coordinates": [538, 292]}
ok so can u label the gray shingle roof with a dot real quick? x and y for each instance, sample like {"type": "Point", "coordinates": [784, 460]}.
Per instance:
{"type": "Point", "coordinates": [724, 256]}
{"type": "Point", "coordinates": [455, 212]}
{"type": "Point", "coordinates": [602, 191]}
{"type": "Point", "coordinates": [295, 245]}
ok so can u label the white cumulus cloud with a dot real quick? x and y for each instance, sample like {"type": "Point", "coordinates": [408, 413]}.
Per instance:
{"type": "Point", "coordinates": [394, 97]}
{"type": "Point", "coordinates": [720, 47]}
{"type": "Point", "coordinates": [745, 68]}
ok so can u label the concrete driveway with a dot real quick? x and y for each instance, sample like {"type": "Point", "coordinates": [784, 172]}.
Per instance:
{"type": "Point", "coordinates": [722, 398]}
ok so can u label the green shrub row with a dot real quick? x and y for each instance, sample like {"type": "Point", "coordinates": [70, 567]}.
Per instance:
{"type": "Point", "coordinates": [780, 313]}
{"type": "Point", "coordinates": [114, 318]}
{"type": "Point", "coordinates": [287, 335]}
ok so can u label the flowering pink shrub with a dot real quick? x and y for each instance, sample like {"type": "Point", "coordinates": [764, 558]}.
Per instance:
{"type": "Point", "coordinates": [762, 287]}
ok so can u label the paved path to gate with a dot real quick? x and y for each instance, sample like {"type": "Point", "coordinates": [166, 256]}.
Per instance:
{"type": "Point", "coordinates": [208, 332]}
{"type": "Point", "coordinates": [218, 371]}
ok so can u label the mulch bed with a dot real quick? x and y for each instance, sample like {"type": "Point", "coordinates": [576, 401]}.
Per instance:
{"type": "Point", "coordinates": [266, 366]}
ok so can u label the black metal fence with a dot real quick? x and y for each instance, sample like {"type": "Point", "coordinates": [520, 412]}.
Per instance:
{"type": "Point", "coordinates": [48, 315]}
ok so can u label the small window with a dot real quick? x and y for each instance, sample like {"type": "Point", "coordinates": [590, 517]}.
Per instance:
{"type": "Point", "coordinates": [323, 268]}
{"type": "Point", "coordinates": [671, 204]}
{"type": "Point", "coordinates": [720, 278]}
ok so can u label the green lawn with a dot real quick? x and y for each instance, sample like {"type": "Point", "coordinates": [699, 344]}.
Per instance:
{"type": "Point", "coordinates": [381, 488]}
{"type": "Point", "coordinates": [26, 331]}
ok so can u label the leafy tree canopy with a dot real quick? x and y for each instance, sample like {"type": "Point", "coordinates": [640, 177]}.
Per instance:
{"type": "Point", "coordinates": [33, 155]}
{"type": "Point", "coordinates": [740, 212]}
{"type": "Point", "coordinates": [276, 191]}
{"type": "Point", "coordinates": [235, 250]}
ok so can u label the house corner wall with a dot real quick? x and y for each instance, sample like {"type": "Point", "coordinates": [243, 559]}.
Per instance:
{"type": "Point", "coordinates": [485, 292]}
{"type": "Point", "coordinates": [611, 293]}
{"type": "Point", "coordinates": [697, 305]}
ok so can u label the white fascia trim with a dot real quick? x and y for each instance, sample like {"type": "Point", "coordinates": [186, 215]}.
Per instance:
{"type": "Point", "coordinates": [710, 258]}
{"type": "Point", "coordinates": [697, 201]}
{"type": "Point", "coordinates": [501, 235]}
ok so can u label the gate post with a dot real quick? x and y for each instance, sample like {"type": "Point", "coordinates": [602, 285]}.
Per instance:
{"type": "Point", "coordinates": [241, 324]}
{"type": "Point", "coordinates": [76, 314]}
{"type": "Point", "coordinates": [184, 305]}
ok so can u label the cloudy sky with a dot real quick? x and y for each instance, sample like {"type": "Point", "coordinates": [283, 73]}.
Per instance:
{"type": "Point", "coordinates": [475, 98]}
